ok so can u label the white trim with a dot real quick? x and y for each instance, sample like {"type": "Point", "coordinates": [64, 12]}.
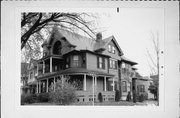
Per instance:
{"type": "Point", "coordinates": [84, 82]}
{"type": "Point", "coordinates": [47, 85]}
{"type": "Point", "coordinates": [105, 88]}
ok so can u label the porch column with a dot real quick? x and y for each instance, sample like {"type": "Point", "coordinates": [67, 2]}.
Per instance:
{"type": "Point", "coordinates": [54, 84]}
{"type": "Point", "coordinates": [93, 88]}
{"type": "Point", "coordinates": [37, 69]}
{"type": "Point", "coordinates": [39, 86]}
{"type": "Point", "coordinates": [95, 83]}
{"type": "Point", "coordinates": [105, 84]}
{"type": "Point", "coordinates": [47, 85]}
{"type": "Point", "coordinates": [84, 82]}
{"type": "Point", "coordinates": [50, 64]}
{"type": "Point", "coordinates": [95, 80]}
{"type": "Point", "coordinates": [113, 84]}
{"type": "Point", "coordinates": [43, 67]}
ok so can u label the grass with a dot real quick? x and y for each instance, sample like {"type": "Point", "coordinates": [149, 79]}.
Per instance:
{"type": "Point", "coordinates": [105, 103]}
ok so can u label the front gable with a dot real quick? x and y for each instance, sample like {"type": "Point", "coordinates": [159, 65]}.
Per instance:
{"type": "Point", "coordinates": [112, 41]}
{"type": "Point", "coordinates": [56, 44]}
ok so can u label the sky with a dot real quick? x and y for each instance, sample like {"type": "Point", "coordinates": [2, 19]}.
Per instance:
{"type": "Point", "coordinates": [133, 29]}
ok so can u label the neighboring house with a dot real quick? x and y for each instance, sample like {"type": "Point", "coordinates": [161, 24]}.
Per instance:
{"type": "Point", "coordinates": [127, 73]}
{"type": "Point", "coordinates": [32, 76]}
{"type": "Point", "coordinates": [24, 78]}
{"type": "Point", "coordinates": [142, 85]}
{"type": "Point", "coordinates": [91, 63]}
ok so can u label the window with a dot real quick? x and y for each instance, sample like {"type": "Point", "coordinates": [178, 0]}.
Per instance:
{"type": "Point", "coordinates": [57, 48]}
{"type": "Point", "coordinates": [101, 62]}
{"type": "Point", "coordinates": [67, 62]}
{"type": "Point", "coordinates": [113, 64]}
{"type": "Point", "coordinates": [141, 88]}
{"type": "Point", "coordinates": [124, 86]}
{"type": "Point", "coordinates": [75, 61]}
{"type": "Point", "coordinates": [111, 49]}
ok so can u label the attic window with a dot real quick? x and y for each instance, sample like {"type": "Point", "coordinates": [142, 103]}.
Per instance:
{"type": "Point", "coordinates": [57, 48]}
{"type": "Point", "coordinates": [111, 49]}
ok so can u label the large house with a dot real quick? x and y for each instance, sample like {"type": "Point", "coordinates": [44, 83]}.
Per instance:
{"type": "Point", "coordinates": [97, 65]}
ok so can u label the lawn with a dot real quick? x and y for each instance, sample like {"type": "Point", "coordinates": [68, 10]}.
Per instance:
{"type": "Point", "coordinates": [106, 103]}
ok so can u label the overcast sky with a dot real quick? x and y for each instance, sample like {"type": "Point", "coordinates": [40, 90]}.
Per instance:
{"type": "Point", "coordinates": [132, 29]}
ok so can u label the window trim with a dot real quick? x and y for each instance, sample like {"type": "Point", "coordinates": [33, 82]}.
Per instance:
{"type": "Point", "coordinates": [112, 63]}
{"type": "Point", "coordinates": [100, 63]}
{"type": "Point", "coordinates": [75, 63]}
{"type": "Point", "coordinates": [124, 86]}
{"type": "Point", "coordinates": [109, 48]}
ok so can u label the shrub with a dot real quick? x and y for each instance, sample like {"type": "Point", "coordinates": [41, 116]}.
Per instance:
{"type": "Point", "coordinates": [63, 94]}
{"type": "Point", "coordinates": [143, 96]}
{"type": "Point", "coordinates": [43, 97]}
{"type": "Point", "coordinates": [135, 97]}
{"type": "Point", "coordinates": [100, 97]}
{"type": "Point", "coordinates": [128, 97]}
{"type": "Point", "coordinates": [117, 95]}
{"type": "Point", "coordinates": [28, 98]}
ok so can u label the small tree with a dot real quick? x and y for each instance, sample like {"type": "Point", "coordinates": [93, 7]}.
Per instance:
{"type": "Point", "coordinates": [63, 94]}
{"type": "Point", "coordinates": [153, 89]}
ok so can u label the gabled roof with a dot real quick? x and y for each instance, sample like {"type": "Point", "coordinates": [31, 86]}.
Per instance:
{"type": "Point", "coordinates": [123, 58]}
{"type": "Point", "coordinates": [154, 77]}
{"type": "Point", "coordinates": [106, 41]}
{"type": "Point", "coordinates": [74, 39]}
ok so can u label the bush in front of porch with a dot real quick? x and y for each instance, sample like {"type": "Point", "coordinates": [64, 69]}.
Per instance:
{"type": "Point", "coordinates": [34, 98]}
{"type": "Point", "coordinates": [63, 94]}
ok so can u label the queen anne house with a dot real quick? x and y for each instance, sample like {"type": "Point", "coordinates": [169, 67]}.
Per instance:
{"type": "Point", "coordinates": [96, 65]}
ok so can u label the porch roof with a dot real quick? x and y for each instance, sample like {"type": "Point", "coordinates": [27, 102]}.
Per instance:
{"type": "Point", "coordinates": [75, 71]}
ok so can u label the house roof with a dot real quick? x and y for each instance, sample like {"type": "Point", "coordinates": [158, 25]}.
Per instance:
{"type": "Point", "coordinates": [74, 39]}
{"type": "Point", "coordinates": [105, 42]}
{"type": "Point", "coordinates": [123, 58]}
{"type": "Point", "coordinates": [154, 77]}
{"type": "Point", "coordinates": [74, 51]}
{"type": "Point", "coordinates": [76, 71]}
{"type": "Point", "coordinates": [83, 70]}
{"type": "Point", "coordinates": [81, 42]}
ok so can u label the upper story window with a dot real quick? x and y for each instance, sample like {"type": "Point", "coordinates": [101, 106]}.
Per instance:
{"type": "Point", "coordinates": [124, 86]}
{"type": "Point", "coordinates": [101, 62]}
{"type": "Point", "coordinates": [111, 49]}
{"type": "Point", "coordinates": [75, 61]}
{"type": "Point", "coordinates": [113, 64]}
{"type": "Point", "coordinates": [57, 48]}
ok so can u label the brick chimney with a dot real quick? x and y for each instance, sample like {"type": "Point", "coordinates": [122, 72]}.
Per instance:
{"type": "Point", "coordinates": [99, 37]}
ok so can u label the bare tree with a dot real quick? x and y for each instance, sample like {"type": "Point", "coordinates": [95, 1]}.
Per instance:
{"type": "Point", "coordinates": [35, 24]}
{"type": "Point", "coordinates": [154, 59]}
